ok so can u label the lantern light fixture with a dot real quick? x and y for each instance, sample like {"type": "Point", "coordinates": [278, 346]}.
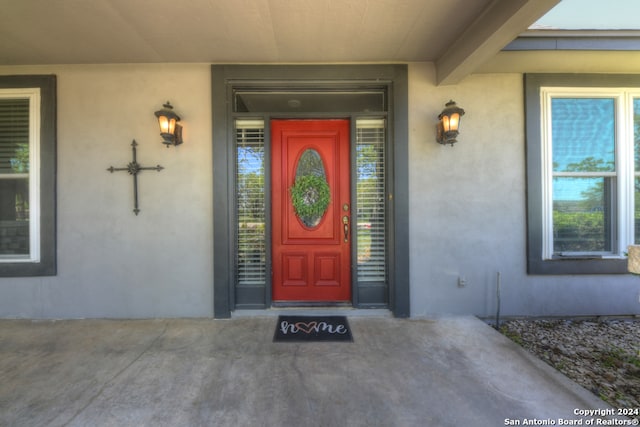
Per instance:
{"type": "Point", "coordinates": [449, 123]}
{"type": "Point", "coordinates": [170, 130]}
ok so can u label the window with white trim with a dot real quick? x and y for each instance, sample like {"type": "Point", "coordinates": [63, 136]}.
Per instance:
{"type": "Point", "coordinates": [19, 167]}
{"type": "Point", "coordinates": [590, 141]}
{"type": "Point", "coordinates": [27, 175]}
{"type": "Point", "coordinates": [583, 164]}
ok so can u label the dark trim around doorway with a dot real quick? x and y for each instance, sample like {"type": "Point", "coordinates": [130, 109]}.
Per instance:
{"type": "Point", "coordinates": [225, 78]}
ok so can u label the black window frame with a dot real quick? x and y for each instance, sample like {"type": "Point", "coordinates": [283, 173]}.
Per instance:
{"type": "Point", "coordinates": [536, 265]}
{"type": "Point", "coordinates": [47, 266]}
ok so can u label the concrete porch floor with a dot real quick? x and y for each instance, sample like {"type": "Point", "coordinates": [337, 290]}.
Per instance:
{"type": "Point", "coordinates": [449, 371]}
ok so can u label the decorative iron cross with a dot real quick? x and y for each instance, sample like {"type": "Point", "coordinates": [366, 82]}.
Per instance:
{"type": "Point", "coordinates": [133, 168]}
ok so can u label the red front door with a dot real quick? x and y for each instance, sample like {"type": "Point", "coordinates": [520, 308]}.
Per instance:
{"type": "Point", "coordinates": [311, 252]}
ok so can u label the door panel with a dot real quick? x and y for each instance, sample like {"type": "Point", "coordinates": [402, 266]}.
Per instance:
{"type": "Point", "coordinates": [311, 259]}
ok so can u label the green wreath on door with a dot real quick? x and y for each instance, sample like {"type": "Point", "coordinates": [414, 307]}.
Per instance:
{"type": "Point", "coordinates": [310, 196]}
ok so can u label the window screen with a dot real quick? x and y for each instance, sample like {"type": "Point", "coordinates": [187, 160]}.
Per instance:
{"type": "Point", "coordinates": [584, 174]}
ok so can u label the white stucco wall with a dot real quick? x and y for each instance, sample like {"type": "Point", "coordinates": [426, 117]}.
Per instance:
{"type": "Point", "coordinates": [468, 211]}
{"type": "Point", "coordinates": [112, 263]}
{"type": "Point", "coordinates": [467, 203]}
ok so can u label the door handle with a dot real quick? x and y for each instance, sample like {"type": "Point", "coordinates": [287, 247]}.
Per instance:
{"type": "Point", "coordinates": [345, 223]}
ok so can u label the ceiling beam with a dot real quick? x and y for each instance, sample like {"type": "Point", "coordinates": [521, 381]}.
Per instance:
{"type": "Point", "coordinates": [499, 24]}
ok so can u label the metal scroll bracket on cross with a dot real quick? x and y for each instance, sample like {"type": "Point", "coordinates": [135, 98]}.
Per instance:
{"type": "Point", "coordinates": [134, 168]}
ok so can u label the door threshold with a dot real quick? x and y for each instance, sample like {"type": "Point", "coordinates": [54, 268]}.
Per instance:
{"type": "Point", "coordinates": [349, 311]}
{"type": "Point", "coordinates": [325, 304]}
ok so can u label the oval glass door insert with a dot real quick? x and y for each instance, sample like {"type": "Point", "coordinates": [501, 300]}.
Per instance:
{"type": "Point", "coordinates": [310, 193]}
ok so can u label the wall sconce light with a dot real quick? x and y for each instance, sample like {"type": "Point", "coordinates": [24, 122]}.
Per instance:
{"type": "Point", "coordinates": [449, 123]}
{"type": "Point", "coordinates": [170, 130]}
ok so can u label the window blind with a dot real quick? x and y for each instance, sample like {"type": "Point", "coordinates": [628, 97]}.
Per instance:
{"type": "Point", "coordinates": [370, 187]}
{"type": "Point", "coordinates": [250, 203]}
{"type": "Point", "coordinates": [14, 135]}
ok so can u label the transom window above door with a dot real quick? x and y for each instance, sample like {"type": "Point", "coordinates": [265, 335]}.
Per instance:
{"type": "Point", "coordinates": [307, 101]}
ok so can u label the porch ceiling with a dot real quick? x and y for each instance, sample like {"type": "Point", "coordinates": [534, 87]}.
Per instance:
{"type": "Point", "coordinates": [457, 35]}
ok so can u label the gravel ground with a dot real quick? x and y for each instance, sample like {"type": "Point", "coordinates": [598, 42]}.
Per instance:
{"type": "Point", "coordinates": [602, 356]}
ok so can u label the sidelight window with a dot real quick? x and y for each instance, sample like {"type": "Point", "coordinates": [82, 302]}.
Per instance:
{"type": "Point", "coordinates": [250, 204]}
{"type": "Point", "coordinates": [370, 190]}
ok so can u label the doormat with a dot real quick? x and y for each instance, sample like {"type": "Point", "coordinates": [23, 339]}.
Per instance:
{"type": "Point", "coordinates": [312, 328]}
